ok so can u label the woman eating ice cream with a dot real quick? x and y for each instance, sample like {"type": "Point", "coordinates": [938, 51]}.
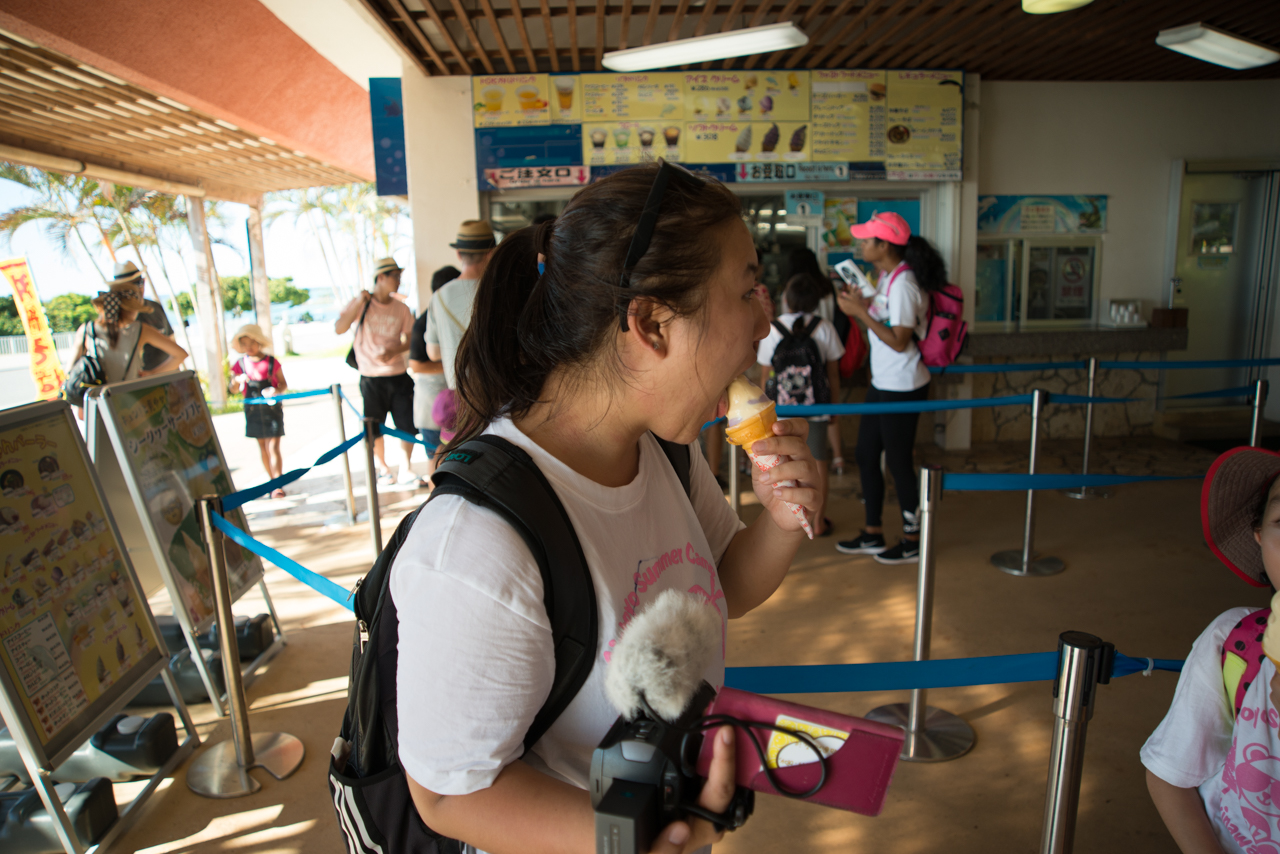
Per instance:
{"type": "Point", "coordinates": [622, 322]}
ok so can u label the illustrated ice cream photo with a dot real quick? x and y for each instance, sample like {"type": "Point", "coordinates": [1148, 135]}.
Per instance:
{"type": "Point", "coordinates": [751, 415]}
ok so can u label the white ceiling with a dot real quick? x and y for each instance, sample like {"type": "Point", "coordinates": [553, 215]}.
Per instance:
{"type": "Point", "coordinates": [343, 33]}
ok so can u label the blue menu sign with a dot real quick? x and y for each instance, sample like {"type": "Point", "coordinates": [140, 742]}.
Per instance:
{"type": "Point", "coordinates": [386, 109]}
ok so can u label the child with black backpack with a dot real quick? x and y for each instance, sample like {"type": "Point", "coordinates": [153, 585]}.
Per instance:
{"type": "Point", "coordinates": [803, 350]}
{"type": "Point", "coordinates": [1213, 764]}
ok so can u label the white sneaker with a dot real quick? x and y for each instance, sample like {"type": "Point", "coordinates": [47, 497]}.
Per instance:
{"type": "Point", "coordinates": [406, 476]}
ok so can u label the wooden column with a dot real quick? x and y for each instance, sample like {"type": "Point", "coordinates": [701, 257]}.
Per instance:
{"type": "Point", "coordinates": [258, 271]}
{"type": "Point", "coordinates": [210, 302]}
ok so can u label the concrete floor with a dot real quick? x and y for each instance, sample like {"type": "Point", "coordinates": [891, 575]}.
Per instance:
{"type": "Point", "coordinates": [1138, 574]}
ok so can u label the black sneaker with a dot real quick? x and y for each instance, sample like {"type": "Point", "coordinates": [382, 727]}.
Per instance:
{"type": "Point", "coordinates": [907, 551]}
{"type": "Point", "coordinates": [863, 544]}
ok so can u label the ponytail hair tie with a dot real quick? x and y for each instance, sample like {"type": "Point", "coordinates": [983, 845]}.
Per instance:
{"type": "Point", "coordinates": [542, 267]}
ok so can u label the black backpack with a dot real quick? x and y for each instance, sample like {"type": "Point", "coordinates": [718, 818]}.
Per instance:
{"type": "Point", "coordinates": [800, 375]}
{"type": "Point", "coordinates": [369, 789]}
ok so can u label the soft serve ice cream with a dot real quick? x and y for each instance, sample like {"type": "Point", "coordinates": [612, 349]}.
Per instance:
{"type": "Point", "coordinates": [751, 415]}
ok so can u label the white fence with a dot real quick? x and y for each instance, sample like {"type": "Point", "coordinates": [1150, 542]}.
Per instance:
{"type": "Point", "coordinates": [16, 345]}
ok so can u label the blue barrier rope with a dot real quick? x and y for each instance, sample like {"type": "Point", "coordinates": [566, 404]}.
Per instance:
{"type": "Point", "coordinates": [244, 496]}
{"type": "Point", "coordinates": [1008, 368]}
{"type": "Point", "coordinates": [293, 395]}
{"type": "Point", "coordinates": [315, 581]}
{"type": "Point", "coordinates": [342, 394]}
{"type": "Point", "coordinates": [409, 437]}
{"type": "Point", "coordinates": [1205, 363]}
{"type": "Point", "coordinates": [905, 675]}
{"type": "Point", "coordinates": [901, 406]}
{"type": "Point", "coordinates": [973, 482]}
{"type": "Point", "coordinates": [1238, 391]}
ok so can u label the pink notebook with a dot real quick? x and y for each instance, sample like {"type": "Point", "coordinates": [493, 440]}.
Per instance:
{"type": "Point", "coordinates": [861, 754]}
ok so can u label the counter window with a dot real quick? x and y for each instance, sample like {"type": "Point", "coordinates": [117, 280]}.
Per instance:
{"type": "Point", "coordinates": [1036, 282]}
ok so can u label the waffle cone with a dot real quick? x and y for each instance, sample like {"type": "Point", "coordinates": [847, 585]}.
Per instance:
{"type": "Point", "coordinates": [755, 428]}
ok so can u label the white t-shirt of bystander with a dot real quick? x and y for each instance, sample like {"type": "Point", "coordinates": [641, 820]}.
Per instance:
{"type": "Point", "coordinates": [824, 335]}
{"type": "Point", "coordinates": [899, 301]}
{"type": "Point", "coordinates": [1235, 764]}
{"type": "Point", "coordinates": [476, 660]}
{"type": "Point", "coordinates": [450, 315]}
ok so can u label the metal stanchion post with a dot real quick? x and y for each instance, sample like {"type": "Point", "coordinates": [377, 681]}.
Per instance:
{"type": "Point", "coordinates": [933, 735]}
{"type": "Point", "coordinates": [735, 500]}
{"type": "Point", "coordinates": [1088, 491]}
{"type": "Point", "coordinates": [1259, 404]}
{"type": "Point", "coordinates": [1024, 561]}
{"type": "Point", "coordinates": [371, 475]}
{"type": "Point", "coordinates": [222, 771]}
{"type": "Point", "coordinates": [336, 394]}
{"type": "Point", "coordinates": [1084, 662]}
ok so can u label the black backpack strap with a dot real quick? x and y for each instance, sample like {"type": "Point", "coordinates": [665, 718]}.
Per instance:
{"type": "Point", "coordinates": [813, 324]}
{"type": "Point", "coordinates": [493, 473]}
{"type": "Point", "coordinates": [680, 458]}
{"type": "Point", "coordinates": [786, 333]}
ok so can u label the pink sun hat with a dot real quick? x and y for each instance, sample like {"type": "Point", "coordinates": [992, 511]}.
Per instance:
{"type": "Point", "coordinates": [887, 226]}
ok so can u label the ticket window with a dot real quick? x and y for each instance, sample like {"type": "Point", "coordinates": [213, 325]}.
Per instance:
{"type": "Point", "coordinates": [1026, 283]}
{"type": "Point", "coordinates": [506, 217]}
{"type": "Point", "coordinates": [766, 219]}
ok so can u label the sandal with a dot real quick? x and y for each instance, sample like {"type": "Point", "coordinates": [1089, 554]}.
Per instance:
{"type": "Point", "coordinates": [277, 493]}
{"type": "Point", "coordinates": [837, 465]}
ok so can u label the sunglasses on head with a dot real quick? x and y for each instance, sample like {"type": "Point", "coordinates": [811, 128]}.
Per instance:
{"type": "Point", "coordinates": [643, 235]}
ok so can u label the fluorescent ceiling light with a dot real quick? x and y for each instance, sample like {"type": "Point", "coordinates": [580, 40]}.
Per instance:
{"type": "Point", "coordinates": [1049, 7]}
{"type": "Point", "coordinates": [1203, 42]}
{"type": "Point", "coordinates": [751, 40]}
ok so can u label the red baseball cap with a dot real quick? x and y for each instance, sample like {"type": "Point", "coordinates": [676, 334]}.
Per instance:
{"type": "Point", "coordinates": [1236, 484]}
{"type": "Point", "coordinates": [887, 226]}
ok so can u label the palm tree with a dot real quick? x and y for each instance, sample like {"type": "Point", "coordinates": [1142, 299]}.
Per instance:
{"type": "Point", "coordinates": [66, 205]}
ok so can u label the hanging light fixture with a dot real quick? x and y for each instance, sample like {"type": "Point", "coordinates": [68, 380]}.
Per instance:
{"type": "Point", "coordinates": [1049, 7]}
{"type": "Point", "coordinates": [745, 42]}
{"type": "Point", "coordinates": [1209, 44]}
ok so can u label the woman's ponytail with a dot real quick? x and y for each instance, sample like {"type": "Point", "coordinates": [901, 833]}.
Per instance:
{"type": "Point", "coordinates": [925, 262]}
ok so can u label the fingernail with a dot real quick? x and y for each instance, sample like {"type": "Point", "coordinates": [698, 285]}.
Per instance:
{"type": "Point", "coordinates": [679, 834]}
{"type": "Point", "coordinates": [726, 735]}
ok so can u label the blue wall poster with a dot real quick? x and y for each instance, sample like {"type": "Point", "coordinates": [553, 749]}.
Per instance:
{"type": "Point", "coordinates": [386, 109]}
{"type": "Point", "coordinates": [1042, 214]}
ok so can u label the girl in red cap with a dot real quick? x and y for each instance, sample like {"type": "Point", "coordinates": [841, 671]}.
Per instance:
{"type": "Point", "coordinates": [1213, 764]}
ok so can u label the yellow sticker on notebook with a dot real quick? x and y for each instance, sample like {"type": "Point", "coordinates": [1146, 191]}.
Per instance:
{"type": "Point", "coordinates": [786, 750]}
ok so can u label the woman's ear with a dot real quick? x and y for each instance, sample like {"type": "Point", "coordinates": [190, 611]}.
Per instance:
{"type": "Point", "coordinates": [648, 324]}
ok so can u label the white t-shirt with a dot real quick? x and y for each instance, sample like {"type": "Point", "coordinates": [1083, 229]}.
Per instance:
{"type": "Point", "coordinates": [451, 308]}
{"type": "Point", "coordinates": [899, 301]}
{"type": "Point", "coordinates": [1234, 764]}
{"type": "Point", "coordinates": [476, 661]}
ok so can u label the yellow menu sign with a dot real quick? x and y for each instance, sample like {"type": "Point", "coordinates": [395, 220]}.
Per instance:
{"type": "Point", "coordinates": [848, 109]}
{"type": "Point", "coordinates": [629, 97]}
{"type": "Point", "coordinates": [923, 124]}
{"type": "Point", "coordinates": [747, 95]}
{"type": "Point", "coordinates": [742, 142]}
{"type": "Point", "coordinates": [566, 98]}
{"type": "Point", "coordinates": [510, 99]}
{"type": "Point", "coordinates": [609, 143]}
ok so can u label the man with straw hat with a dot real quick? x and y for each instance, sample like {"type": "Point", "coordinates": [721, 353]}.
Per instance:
{"type": "Point", "coordinates": [154, 315]}
{"type": "Point", "coordinates": [381, 346]}
{"type": "Point", "coordinates": [445, 327]}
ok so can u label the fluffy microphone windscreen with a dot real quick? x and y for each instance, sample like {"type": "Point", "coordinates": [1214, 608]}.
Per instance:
{"type": "Point", "coordinates": [663, 653]}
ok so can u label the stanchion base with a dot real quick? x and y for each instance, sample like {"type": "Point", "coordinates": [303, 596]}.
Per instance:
{"type": "Point", "coordinates": [216, 774]}
{"type": "Point", "coordinates": [1011, 562]}
{"type": "Point", "coordinates": [945, 736]}
{"type": "Point", "coordinates": [1083, 492]}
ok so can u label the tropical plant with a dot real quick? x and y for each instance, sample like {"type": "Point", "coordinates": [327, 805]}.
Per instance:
{"type": "Point", "coordinates": [10, 323]}
{"type": "Point", "coordinates": [66, 204]}
{"type": "Point", "coordinates": [237, 292]}
{"type": "Point", "coordinates": [68, 312]}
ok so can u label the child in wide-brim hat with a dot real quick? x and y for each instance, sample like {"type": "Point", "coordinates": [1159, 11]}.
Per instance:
{"type": "Point", "coordinates": [258, 375]}
{"type": "Point", "coordinates": [1214, 761]}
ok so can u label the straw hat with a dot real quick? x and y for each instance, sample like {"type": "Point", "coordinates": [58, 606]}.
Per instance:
{"type": "Point", "coordinates": [125, 273]}
{"type": "Point", "coordinates": [252, 331]}
{"type": "Point", "coordinates": [1234, 489]}
{"type": "Point", "coordinates": [474, 235]}
{"type": "Point", "coordinates": [385, 265]}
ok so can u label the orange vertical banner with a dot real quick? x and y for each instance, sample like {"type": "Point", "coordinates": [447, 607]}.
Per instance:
{"type": "Point", "coordinates": [46, 369]}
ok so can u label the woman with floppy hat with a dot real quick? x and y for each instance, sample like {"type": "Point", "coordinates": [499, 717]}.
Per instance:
{"type": "Point", "coordinates": [896, 316]}
{"type": "Point", "coordinates": [257, 374]}
{"type": "Point", "coordinates": [116, 338]}
{"type": "Point", "coordinates": [1213, 764]}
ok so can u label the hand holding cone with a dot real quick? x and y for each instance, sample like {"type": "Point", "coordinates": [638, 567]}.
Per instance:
{"type": "Point", "coordinates": [751, 416]}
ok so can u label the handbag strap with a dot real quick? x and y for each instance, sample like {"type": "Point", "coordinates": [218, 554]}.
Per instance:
{"type": "Point", "coordinates": [360, 322]}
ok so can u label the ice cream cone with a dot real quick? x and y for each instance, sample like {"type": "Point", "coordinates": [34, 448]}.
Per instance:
{"type": "Point", "coordinates": [751, 416]}
{"type": "Point", "coordinates": [753, 429]}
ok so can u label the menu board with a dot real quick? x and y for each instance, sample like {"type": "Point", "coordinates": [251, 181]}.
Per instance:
{"type": "Point", "coordinates": [75, 632]}
{"type": "Point", "coordinates": [903, 125]}
{"type": "Point", "coordinates": [616, 142]}
{"type": "Point", "coordinates": [923, 123]}
{"type": "Point", "coordinates": [747, 95]}
{"type": "Point", "coordinates": [510, 99]}
{"type": "Point", "coordinates": [163, 436]}
{"type": "Point", "coordinates": [848, 109]}
{"type": "Point", "coordinates": [627, 97]}
{"type": "Point", "coordinates": [720, 142]}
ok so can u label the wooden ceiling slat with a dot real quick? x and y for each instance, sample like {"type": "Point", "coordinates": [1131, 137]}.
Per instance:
{"type": "Point", "coordinates": [650, 23]}
{"type": "Point", "coordinates": [1036, 47]}
{"type": "Point", "coordinates": [600, 34]}
{"type": "Point", "coordinates": [757, 18]}
{"type": "Point", "coordinates": [835, 41]}
{"type": "Point", "coordinates": [464, 21]}
{"type": "Point", "coordinates": [785, 15]}
{"type": "Point", "coordinates": [430, 7]}
{"type": "Point", "coordinates": [624, 25]}
{"type": "Point", "coordinates": [708, 9]}
{"type": "Point", "coordinates": [487, 11]}
{"type": "Point", "coordinates": [551, 36]}
{"type": "Point", "coordinates": [929, 29]}
{"type": "Point", "coordinates": [418, 35]}
{"type": "Point", "coordinates": [1000, 41]}
{"type": "Point", "coordinates": [518, 13]}
{"type": "Point", "coordinates": [574, 56]}
{"type": "Point", "coordinates": [677, 21]}
{"type": "Point", "coordinates": [869, 51]}
{"type": "Point", "coordinates": [978, 23]}
{"type": "Point", "coordinates": [734, 11]}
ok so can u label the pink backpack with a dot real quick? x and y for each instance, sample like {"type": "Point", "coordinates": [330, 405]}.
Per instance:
{"type": "Point", "coordinates": [947, 332]}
